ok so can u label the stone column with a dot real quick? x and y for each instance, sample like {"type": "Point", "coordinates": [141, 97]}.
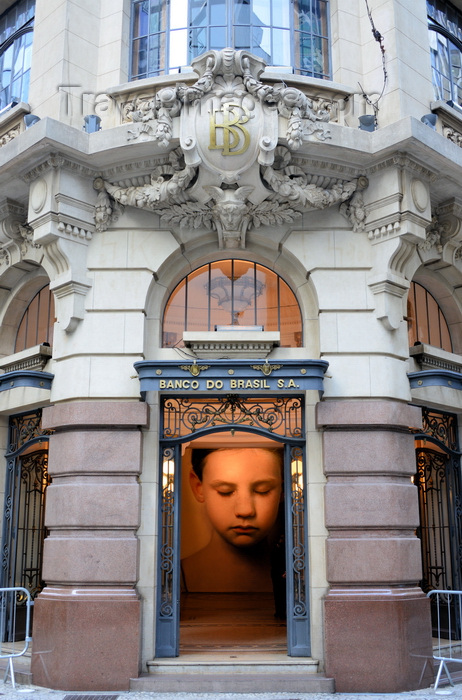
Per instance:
{"type": "Point", "coordinates": [377, 619]}
{"type": "Point", "coordinates": [86, 623]}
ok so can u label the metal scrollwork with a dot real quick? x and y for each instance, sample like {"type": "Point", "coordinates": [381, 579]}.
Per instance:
{"type": "Point", "coordinates": [183, 416]}
{"type": "Point", "coordinates": [442, 426]}
{"type": "Point", "coordinates": [167, 519]}
{"type": "Point", "coordinates": [298, 532]}
{"type": "Point", "coordinates": [24, 428]}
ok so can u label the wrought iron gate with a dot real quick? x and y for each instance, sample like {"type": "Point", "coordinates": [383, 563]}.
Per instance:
{"type": "Point", "coordinates": [438, 479]}
{"type": "Point", "coordinates": [24, 511]}
{"type": "Point", "coordinates": [280, 419]}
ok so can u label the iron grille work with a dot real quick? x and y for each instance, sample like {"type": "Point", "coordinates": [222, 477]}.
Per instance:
{"type": "Point", "coordinates": [24, 510]}
{"type": "Point", "coordinates": [184, 416]}
{"type": "Point", "coordinates": [438, 479]}
{"type": "Point", "coordinates": [298, 525]}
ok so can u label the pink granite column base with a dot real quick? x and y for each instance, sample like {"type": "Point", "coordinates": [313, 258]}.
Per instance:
{"type": "Point", "coordinates": [85, 640]}
{"type": "Point", "coordinates": [378, 640]}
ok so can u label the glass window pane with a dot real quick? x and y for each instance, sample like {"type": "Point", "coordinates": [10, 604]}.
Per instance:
{"type": "Point", "coordinates": [140, 19]}
{"type": "Point", "coordinates": [218, 12]}
{"type": "Point", "coordinates": [140, 57]}
{"type": "Point", "coordinates": [217, 37]}
{"type": "Point", "coordinates": [179, 18]}
{"type": "Point", "coordinates": [232, 292]}
{"type": "Point", "coordinates": [281, 16]}
{"type": "Point", "coordinates": [197, 42]}
{"type": "Point", "coordinates": [178, 48]}
{"type": "Point", "coordinates": [261, 12]}
{"type": "Point", "coordinates": [241, 38]}
{"type": "Point", "coordinates": [281, 47]}
{"type": "Point", "coordinates": [241, 12]}
{"type": "Point", "coordinates": [198, 13]}
{"type": "Point", "coordinates": [174, 317]}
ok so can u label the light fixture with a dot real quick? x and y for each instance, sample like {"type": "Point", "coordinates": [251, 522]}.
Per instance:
{"type": "Point", "coordinates": [92, 123]}
{"type": "Point", "coordinates": [30, 120]}
{"type": "Point", "coordinates": [429, 120]}
{"type": "Point", "coordinates": [367, 122]}
{"type": "Point", "coordinates": [235, 294]}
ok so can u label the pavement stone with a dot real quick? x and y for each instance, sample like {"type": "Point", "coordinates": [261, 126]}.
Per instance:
{"type": "Point", "coordinates": [7, 692]}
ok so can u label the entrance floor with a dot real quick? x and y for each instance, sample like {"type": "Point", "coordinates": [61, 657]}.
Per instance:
{"type": "Point", "coordinates": [230, 621]}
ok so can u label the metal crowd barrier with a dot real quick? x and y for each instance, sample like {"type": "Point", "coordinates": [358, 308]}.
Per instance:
{"type": "Point", "coordinates": [447, 622]}
{"type": "Point", "coordinates": [14, 627]}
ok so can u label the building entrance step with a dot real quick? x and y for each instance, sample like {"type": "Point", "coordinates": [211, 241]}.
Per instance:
{"type": "Point", "coordinates": [234, 672]}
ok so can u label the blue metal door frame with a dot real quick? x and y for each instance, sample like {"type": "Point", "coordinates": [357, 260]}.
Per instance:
{"type": "Point", "coordinates": [296, 527]}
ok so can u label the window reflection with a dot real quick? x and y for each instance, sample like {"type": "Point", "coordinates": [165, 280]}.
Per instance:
{"type": "Point", "coordinates": [36, 325]}
{"type": "Point", "coordinates": [445, 34]}
{"type": "Point", "coordinates": [232, 293]}
{"type": "Point", "coordinates": [16, 34]}
{"type": "Point", "coordinates": [282, 32]}
{"type": "Point", "coordinates": [426, 321]}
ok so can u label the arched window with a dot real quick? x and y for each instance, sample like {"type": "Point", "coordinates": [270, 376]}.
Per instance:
{"type": "Point", "coordinates": [167, 36]}
{"type": "Point", "coordinates": [36, 325]}
{"type": "Point", "coordinates": [16, 33]}
{"type": "Point", "coordinates": [445, 30]}
{"type": "Point", "coordinates": [230, 293]}
{"type": "Point", "coordinates": [426, 321]}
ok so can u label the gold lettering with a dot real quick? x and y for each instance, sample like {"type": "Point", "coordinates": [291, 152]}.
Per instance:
{"type": "Point", "coordinates": [291, 383]}
{"type": "Point", "coordinates": [210, 384]}
{"type": "Point", "coordinates": [234, 133]}
{"type": "Point", "coordinates": [280, 384]}
{"type": "Point", "coordinates": [162, 384]}
{"type": "Point", "coordinates": [233, 383]}
{"type": "Point", "coordinates": [195, 384]}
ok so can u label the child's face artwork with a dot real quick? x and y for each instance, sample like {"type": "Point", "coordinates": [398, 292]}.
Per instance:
{"type": "Point", "coordinates": [241, 491]}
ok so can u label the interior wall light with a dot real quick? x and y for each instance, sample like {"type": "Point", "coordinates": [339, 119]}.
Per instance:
{"type": "Point", "coordinates": [30, 120]}
{"type": "Point", "coordinates": [91, 123]}
{"type": "Point", "coordinates": [429, 120]}
{"type": "Point", "coordinates": [367, 122]}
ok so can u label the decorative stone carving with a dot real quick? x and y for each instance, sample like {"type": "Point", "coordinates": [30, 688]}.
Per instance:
{"type": "Point", "coordinates": [226, 73]}
{"type": "Point", "coordinates": [10, 135]}
{"type": "Point", "coordinates": [229, 173]}
{"type": "Point", "coordinates": [452, 135]}
{"type": "Point", "coordinates": [16, 236]}
{"type": "Point", "coordinates": [355, 209]}
{"type": "Point", "coordinates": [433, 236]}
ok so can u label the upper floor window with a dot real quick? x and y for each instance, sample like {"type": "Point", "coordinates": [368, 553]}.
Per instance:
{"type": "Point", "coordinates": [232, 293]}
{"type": "Point", "coordinates": [168, 35]}
{"type": "Point", "coordinates": [16, 32]}
{"type": "Point", "coordinates": [445, 30]}
{"type": "Point", "coordinates": [36, 326]}
{"type": "Point", "coordinates": [426, 321]}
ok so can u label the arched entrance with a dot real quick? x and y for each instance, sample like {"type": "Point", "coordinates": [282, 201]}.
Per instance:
{"type": "Point", "coordinates": [222, 418]}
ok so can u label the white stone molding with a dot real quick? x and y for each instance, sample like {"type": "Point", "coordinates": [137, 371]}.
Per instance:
{"type": "Point", "coordinates": [61, 215]}
{"type": "Point", "coordinates": [229, 173]}
{"type": "Point", "coordinates": [389, 281]}
{"type": "Point", "coordinates": [16, 236]}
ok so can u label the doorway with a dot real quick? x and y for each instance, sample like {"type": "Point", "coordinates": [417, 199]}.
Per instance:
{"type": "Point", "coordinates": [23, 531]}
{"type": "Point", "coordinates": [232, 615]}
{"type": "Point", "coordinates": [233, 568]}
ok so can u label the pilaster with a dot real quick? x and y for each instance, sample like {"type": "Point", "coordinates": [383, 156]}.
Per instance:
{"type": "Point", "coordinates": [376, 616]}
{"type": "Point", "coordinates": [87, 618]}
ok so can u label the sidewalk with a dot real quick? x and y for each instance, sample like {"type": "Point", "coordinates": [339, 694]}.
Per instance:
{"type": "Point", "coordinates": [36, 693]}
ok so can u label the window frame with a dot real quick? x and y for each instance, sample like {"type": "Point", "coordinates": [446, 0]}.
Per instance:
{"type": "Point", "coordinates": [193, 306]}
{"type": "Point", "coordinates": [8, 95]}
{"type": "Point", "coordinates": [292, 7]}
{"type": "Point", "coordinates": [439, 29]}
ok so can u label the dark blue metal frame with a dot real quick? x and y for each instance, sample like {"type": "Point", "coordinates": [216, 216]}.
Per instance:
{"type": "Point", "coordinates": [296, 528]}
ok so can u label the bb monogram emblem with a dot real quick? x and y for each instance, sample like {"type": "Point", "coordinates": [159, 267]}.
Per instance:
{"type": "Point", "coordinates": [230, 119]}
